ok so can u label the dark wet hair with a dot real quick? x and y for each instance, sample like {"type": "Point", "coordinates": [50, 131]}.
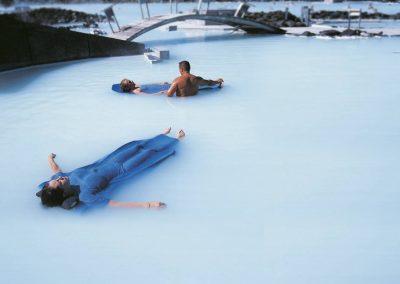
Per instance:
{"type": "Point", "coordinates": [185, 65]}
{"type": "Point", "coordinates": [52, 197]}
{"type": "Point", "coordinates": [126, 85]}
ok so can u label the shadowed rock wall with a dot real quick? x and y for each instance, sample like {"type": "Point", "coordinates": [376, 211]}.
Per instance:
{"type": "Point", "coordinates": [24, 44]}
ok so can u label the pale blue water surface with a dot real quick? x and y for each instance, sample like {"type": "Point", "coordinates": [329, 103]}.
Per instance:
{"type": "Point", "coordinates": [289, 174]}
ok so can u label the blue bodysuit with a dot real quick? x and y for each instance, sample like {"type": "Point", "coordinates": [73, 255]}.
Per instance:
{"type": "Point", "coordinates": [91, 182]}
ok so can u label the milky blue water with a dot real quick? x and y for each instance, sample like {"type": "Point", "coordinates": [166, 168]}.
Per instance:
{"type": "Point", "coordinates": [289, 174]}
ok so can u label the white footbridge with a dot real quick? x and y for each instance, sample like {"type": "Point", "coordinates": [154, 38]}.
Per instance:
{"type": "Point", "coordinates": [237, 20]}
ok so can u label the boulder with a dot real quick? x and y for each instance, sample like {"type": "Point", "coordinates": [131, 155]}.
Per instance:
{"type": "Point", "coordinates": [307, 33]}
{"type": "Point", "coordinates": [350, 32]}
{"type": "Point", "coordinates": [275, 18]}
{"type": "Point", "coordinates": [330, 33]}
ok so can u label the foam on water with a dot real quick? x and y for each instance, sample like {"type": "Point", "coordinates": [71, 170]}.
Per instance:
{"type": "Point", "coordinates": [288, 174]}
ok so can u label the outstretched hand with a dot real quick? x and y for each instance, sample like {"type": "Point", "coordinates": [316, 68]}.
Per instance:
{"type": "Point", "coordinates": [157, 204]}
{"type": "Point", "coordinates": [52, 156]}
{"type": "Point", "coordinates": [220, 82]}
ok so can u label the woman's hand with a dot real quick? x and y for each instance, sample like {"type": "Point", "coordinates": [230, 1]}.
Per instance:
{"type": "Point", "coordinates": [151, 204]}
{"type": "Point", "coordinates": [156, 204]}
{"type": "Point", "coordinates": [53, 165]}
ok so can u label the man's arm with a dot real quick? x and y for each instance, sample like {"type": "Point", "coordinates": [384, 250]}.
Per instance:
{"type": "Point", "coordinates": [53, 165]}
{"type": "Point", "coordinates": [151, 204]}
{"type": "Point", "coordinates": [172, 89]}
{"type": "Point", "coordinates": [204, 82]}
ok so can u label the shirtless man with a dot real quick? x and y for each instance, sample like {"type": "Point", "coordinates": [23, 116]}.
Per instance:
{"type": "Point", "coordinates": [188, 84]}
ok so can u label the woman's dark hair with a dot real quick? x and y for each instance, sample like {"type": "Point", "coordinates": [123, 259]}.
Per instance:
{"type": "Point", "coordinates": [52, 197]}
{"type": "Point", "coordinates": [126, 85]}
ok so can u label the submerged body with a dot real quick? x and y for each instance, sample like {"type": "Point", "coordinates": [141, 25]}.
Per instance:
{"type": "Point", "coordinates": [89, 183]}
{"type": "Point", "coordinates": [187, 84]}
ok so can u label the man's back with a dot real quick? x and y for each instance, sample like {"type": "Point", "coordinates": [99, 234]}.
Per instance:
{"type": "Point", "coordinates": [187, 85]}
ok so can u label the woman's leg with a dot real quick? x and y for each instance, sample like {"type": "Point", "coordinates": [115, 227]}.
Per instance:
{"type": "Point", "coordinates": [125, 151]}
{"type": "Point", "coordinates": [128, 150]}
{"type": "Point", "coordinates": [145, 159]}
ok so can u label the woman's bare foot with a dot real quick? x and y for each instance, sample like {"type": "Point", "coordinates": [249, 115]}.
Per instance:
{"type": "Point", "coordinates": [167, 130]}
{"type": "Point", "coordinates": [180, 134]}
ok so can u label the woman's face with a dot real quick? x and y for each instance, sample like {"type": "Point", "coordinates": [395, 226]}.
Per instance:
{"type": "Point", "coordinates": [61, 182]}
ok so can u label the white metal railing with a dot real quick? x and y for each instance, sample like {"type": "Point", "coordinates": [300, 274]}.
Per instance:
{"type": "Point", "coordinates": [354, 13]}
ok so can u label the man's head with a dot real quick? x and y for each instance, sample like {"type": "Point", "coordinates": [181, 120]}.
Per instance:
{"type": "Point", "coordinates": [127, 85]}
{"type": "Point", "coordinates": [184, 67]}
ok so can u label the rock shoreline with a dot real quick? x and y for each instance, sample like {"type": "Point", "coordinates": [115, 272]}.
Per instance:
{"type": "Point", "coordinates": [275, 18]}
{"type": "Point", "coordinates": [56, 16]}
{"type": "Point", "coordinates": [346, 33]}
{"type": "Point", "coordinates": [344, 15]}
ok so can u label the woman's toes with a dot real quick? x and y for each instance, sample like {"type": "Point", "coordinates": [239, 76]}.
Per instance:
{"type": "Point", "coordinates": [181, 133]}
{"type": "Point", "coordinates": [168, 130]}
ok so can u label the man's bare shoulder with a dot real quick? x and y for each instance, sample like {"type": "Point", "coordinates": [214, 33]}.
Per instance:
{"type": "Point", "coordinates": [195, 78]}
{"type": "Point", "coordinates": [177, 79]}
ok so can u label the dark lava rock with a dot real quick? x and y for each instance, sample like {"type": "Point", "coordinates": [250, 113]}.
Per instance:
{"type": "Point", "coordinates": [276, 18]}
{"type": "Point", "coordinates": [350, 32]}
{"type": "Point", "coordinates": [375, 34]}
{"type": "Point", "coordinates": [330, 33]}
{"type": "Point", "coordinates": [307, 33]}
{"type": "Point", "coordinates": [52, 16]}
{"type": "Point", "coordinates": [333, 15]}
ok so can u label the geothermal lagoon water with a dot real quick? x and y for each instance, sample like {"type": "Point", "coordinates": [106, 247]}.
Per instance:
{"type": "Point", "coordinates": [289, 174]}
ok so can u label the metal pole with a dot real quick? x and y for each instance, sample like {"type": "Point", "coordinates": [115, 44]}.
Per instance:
{"type": "Point", "coordinates": [141, 9]}
{"type": "Point", "coordinates": [176, 6]}
{"type": "Point", "coordinates": [147, 8]}
{"type": "Point", "coordinates": [170, 6]}
{"type": "Point", "coordinates": [208, 6]}
{"type": "Point", "coordinates": [348, 25]}
{"type": "Point", "coordinates": [110, 25]}
{"type": "Point", "coordinates": [199, 5]}
{"type": "Point", "coordinates": [115, 18]}
{"type": "Point", "coordinates": [359, 20]}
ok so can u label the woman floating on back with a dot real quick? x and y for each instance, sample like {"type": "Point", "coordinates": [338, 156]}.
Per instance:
{"type": "Point", "coordinates": [88, 185]}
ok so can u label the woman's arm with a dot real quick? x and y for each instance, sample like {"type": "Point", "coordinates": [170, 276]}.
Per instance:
{"type": "Point", "coordinates": [137, 91]}
{"type": "Point", "coordinates": [53, 165]}
{"type": "Point", "coordinates": [151, 204]}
